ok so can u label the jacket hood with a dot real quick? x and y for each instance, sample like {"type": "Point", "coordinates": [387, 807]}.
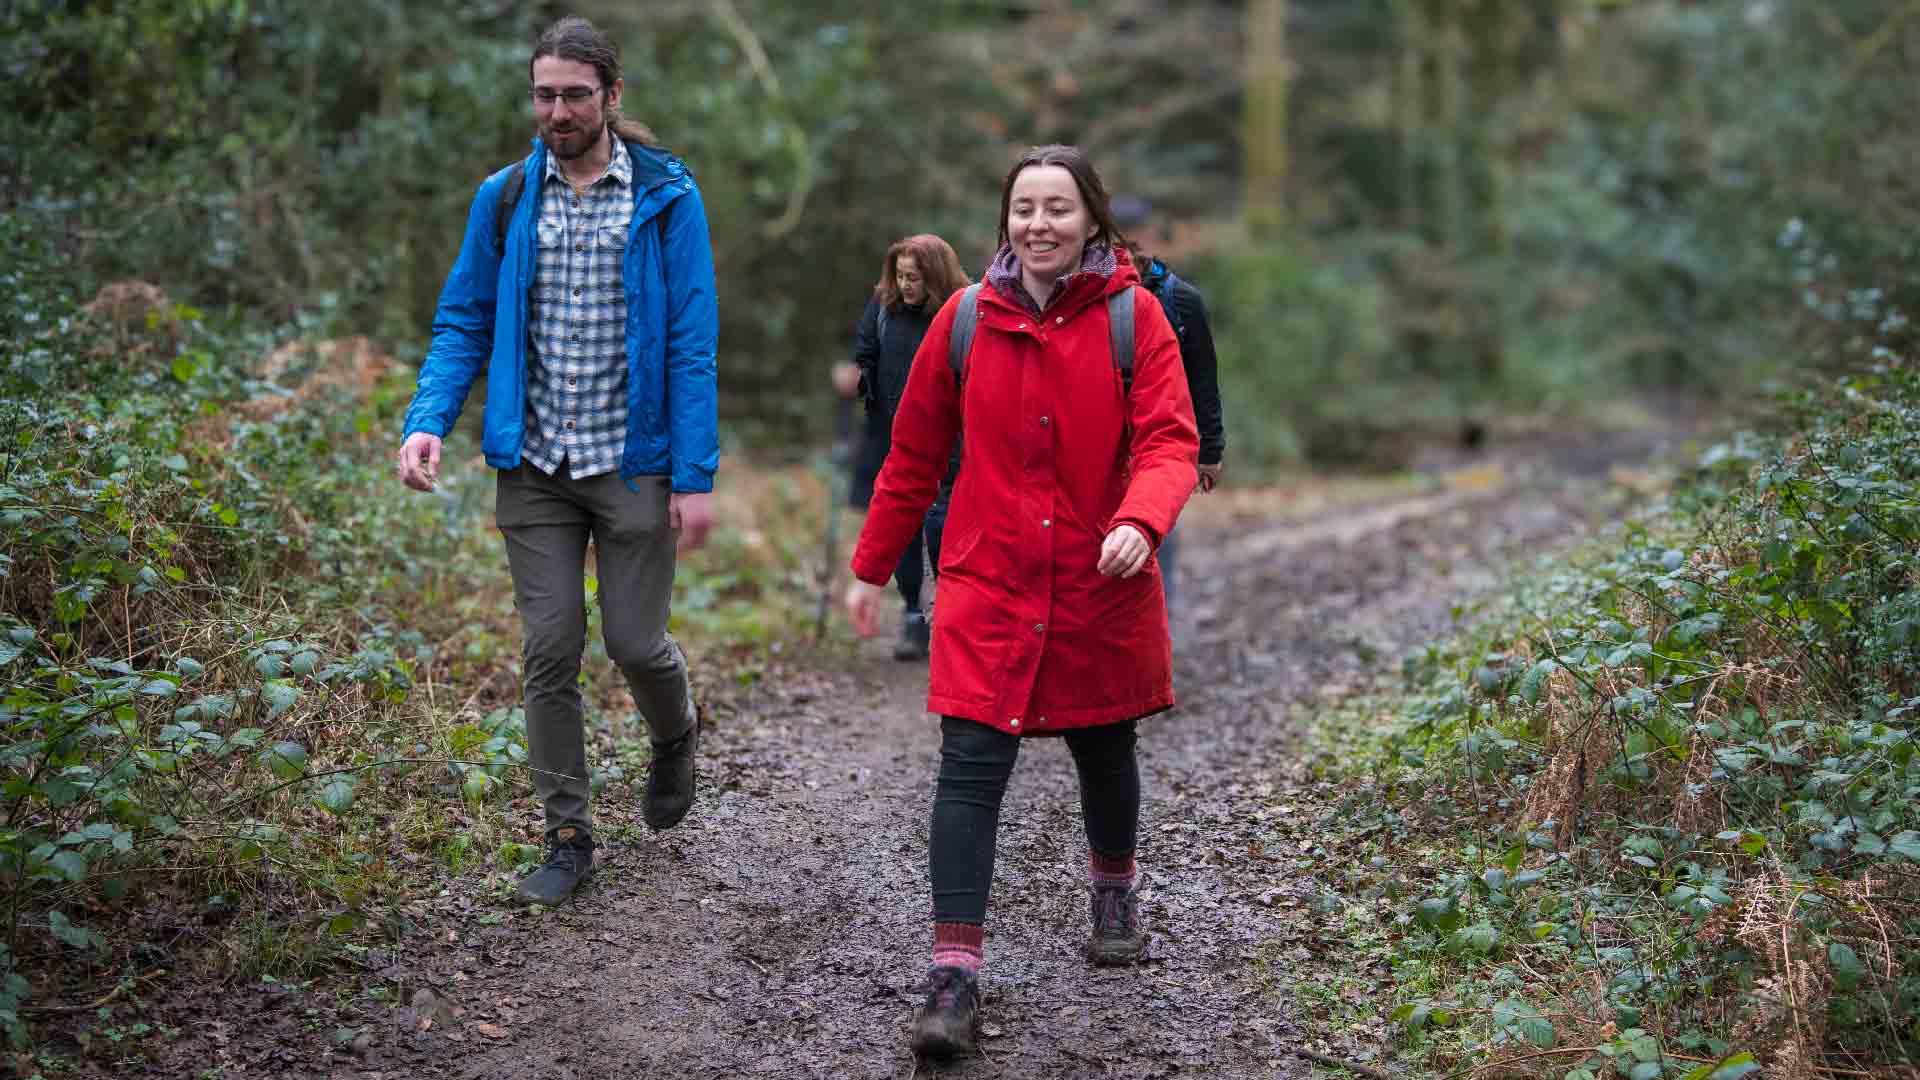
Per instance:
{"type": "Point", "coordinates": [1103, 270]}
{"type": "Point", "coordinates": [652, 165]}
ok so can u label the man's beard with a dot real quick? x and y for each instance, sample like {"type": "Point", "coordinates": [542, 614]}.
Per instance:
{"type": "Point", "coordinates": [582, 138]}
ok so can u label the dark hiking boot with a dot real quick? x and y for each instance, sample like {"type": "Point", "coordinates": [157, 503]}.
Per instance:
{"type": "Point", "coordinates": [946, 1022]}
{"type": "Point", "coordinates": [569, 863]}
{"type": "Point", "coordinates": [1118, 937]}
{"type": "Point", "coordinates": [670, 783]}
{"type": "Point", "coordinates": [916, 638]}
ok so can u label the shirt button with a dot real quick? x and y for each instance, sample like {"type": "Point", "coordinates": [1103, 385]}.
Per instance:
{"type": "Point", "coordinates": [571, 382]}
{"type": "Point", "coordinates": [569, 426]}
{"type": "Point", "coordinates": [579, 247]}
{"type": "Point", "coordinates": [576, 292]}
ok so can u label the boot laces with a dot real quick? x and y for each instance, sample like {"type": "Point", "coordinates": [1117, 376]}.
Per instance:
{"type": "Point", "coordinates": [567, 855]}
{"type": "Point", "coordinates": [949, 990]}
{"type": "Point", "coordinates": [1113, 916]}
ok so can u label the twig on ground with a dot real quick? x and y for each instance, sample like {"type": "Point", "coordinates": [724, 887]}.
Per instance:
{"type": "Point", "coordinates": [1342, 1063]}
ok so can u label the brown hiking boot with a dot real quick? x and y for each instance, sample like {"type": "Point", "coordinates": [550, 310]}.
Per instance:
{"type": "Point", "coordinates": [946, 1022]}
{"type": "Point", "coordinates": [1118, 936]}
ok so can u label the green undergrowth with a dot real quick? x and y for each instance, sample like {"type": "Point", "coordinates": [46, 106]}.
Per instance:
{"type": "Point", "coordinates": [1651, 812]}
{"type": "Point", "coordinates": [255, 694]}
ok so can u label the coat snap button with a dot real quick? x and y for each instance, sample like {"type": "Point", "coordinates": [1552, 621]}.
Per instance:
{"type": "Point", "coordinates": [1016, 721]}
{"type": "Point", "coordinates": [1058, 319]}
{"type": "Point", "coordinates": [1046, 523]}
{"type": "Point", "coordinates": [1044, 421]}
{"type": "Point", "coordinates": [1039, 627]}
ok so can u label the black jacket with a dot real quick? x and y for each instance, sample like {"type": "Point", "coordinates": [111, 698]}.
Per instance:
{"type": "Point", "coordinates": [1188, 314]}
{"type": "Point", "coordinates": [884, 360]}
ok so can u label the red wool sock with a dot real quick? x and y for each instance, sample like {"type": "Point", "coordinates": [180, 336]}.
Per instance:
{"type": "Point", "coordinates": [1112, 870]}
{"type": "Point", "coordinates": [958, 944]}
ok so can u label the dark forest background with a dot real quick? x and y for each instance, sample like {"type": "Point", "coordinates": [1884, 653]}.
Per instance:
{"type": "Point", "coordinates": [1405, 213]}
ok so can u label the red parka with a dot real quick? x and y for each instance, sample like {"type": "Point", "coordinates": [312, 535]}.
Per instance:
{"type": "Point", "coordinates": [1029, 637]}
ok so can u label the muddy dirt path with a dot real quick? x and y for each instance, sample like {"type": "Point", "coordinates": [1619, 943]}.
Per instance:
{"type": "Point", "coordinates": [781, 931]}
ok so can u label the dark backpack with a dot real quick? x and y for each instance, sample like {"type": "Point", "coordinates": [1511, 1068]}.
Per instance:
{"type": "Point", "coordinates": [510, 197]}
{"type": "Point", "coordinates": [503, 210]}
{"type": "Point", "coordinates": [1161, 285]}
{"type": "Point", "coordinates": [1119, 320]}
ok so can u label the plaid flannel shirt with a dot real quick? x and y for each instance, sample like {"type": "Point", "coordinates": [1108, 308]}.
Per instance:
{"type": "Point", "coordinates": [577, 366]}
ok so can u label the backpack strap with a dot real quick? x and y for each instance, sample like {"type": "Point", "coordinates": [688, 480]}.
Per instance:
{"type": "Point", "coordinates": [1120, 327]}
{"type": "Point", "coordinates": [960, 338]}
{"type": "Point", "coordinates": [503, 210]}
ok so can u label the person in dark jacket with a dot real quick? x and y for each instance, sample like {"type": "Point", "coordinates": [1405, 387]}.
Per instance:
{"type": "Point", "coordinates": [918, 275]}
{"type": "Point", "coordinates": [1187, 311]}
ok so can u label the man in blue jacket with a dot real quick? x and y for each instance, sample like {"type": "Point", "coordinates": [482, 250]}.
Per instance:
{"type": "Point", "coordinates": [584, 289]}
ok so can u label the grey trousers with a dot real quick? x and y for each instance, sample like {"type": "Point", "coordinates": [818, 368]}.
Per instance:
{"type": "Point", "coordinates": [547, 521]}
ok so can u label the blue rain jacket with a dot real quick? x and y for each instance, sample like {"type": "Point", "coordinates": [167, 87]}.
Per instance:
{"type": "Point", "coordinates": [673, 325]}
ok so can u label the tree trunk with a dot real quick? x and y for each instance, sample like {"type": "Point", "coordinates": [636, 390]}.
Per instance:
{"type": "Point", "coordinates": [1265, 119]}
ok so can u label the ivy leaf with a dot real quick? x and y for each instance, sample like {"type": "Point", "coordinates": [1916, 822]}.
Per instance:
{"type": "Point", "coordinates": [77, 936]}
{"type": "Point", "coordinates": [337, 796]}
{"type": "Point", "coordinates": [1646, 1070]}
{"type": "Point", "coordinates": [279, 697]}
{"type": "Point", "coordinates": [1905, 843]}
{"type": "Point", "coordinates": [1413, 1014]}
{"type": "Point", "coordinates": [475, 786]}
{"type": "Point", "coordinates": [1845, 964]}
{"type": "Point", "coordinates": [1535, 680]}
{"type": "Point", "coordinates": [1735, 1067]}
{"type": "Point", "coordinates": [1480, 938]}
{"type": "Point", "coordinates": [1870, 844]}
{"type": "Point", "coordinates": [286, 760]}
{"type": "Point", "coordinates": [71, 864]}
{"type": "Point", "coordinates": [1537, 1030]}
{"type": "Point", "coordinates": [1438, 913]}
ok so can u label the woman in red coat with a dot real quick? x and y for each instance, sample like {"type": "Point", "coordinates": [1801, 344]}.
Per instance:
{"type": "Point", "coordinates": [1051, 620]}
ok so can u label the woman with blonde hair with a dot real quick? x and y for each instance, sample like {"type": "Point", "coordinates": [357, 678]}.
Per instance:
{"type": "Point", "coordinates": [1064, 380]}
{"type": "Point", "coordinates": [918, 275]}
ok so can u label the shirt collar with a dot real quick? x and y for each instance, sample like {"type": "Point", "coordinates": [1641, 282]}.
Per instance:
{"type": "Point", "coordinates": [619, 167]}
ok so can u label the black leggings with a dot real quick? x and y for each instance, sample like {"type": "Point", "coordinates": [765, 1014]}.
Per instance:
{"type": "Point", "coordinates": [913, 567]}
{"type": "Point", "coordinates": [975, 763]}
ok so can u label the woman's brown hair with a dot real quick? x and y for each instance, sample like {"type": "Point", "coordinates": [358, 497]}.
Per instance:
{"type": "Point", "coordinates": [1093, 193]}
{"type": "Point", "coordinates": [939, 269]}
{"type": "Point", "coordinates": [574, 38]}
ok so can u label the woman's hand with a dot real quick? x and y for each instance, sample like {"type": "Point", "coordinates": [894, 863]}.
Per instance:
{"type": "Point", "coordinates": [863, 607]}
{"type": "Point", "coordinates": [846, 379]}
{"type": "Point", "coordinates": [1124, 552]}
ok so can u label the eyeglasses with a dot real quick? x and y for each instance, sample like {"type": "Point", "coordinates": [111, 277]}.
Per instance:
{"type": "Point", "coordinates": [572, 95]}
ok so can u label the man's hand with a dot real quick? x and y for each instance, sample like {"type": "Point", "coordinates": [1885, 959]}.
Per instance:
{"type": "Point", "coordinates": [690, 513]}
{"type": "Point", "coordinates": [863, 607]}
{"type": "Point", "coordinates": [1124, 552]}
{"type": "Point", "coordinates": [846, 379]}
{"type": "Point", "coordinates": [420, 461]}
{"type": "Point", "coordinates": [1210, 475]}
